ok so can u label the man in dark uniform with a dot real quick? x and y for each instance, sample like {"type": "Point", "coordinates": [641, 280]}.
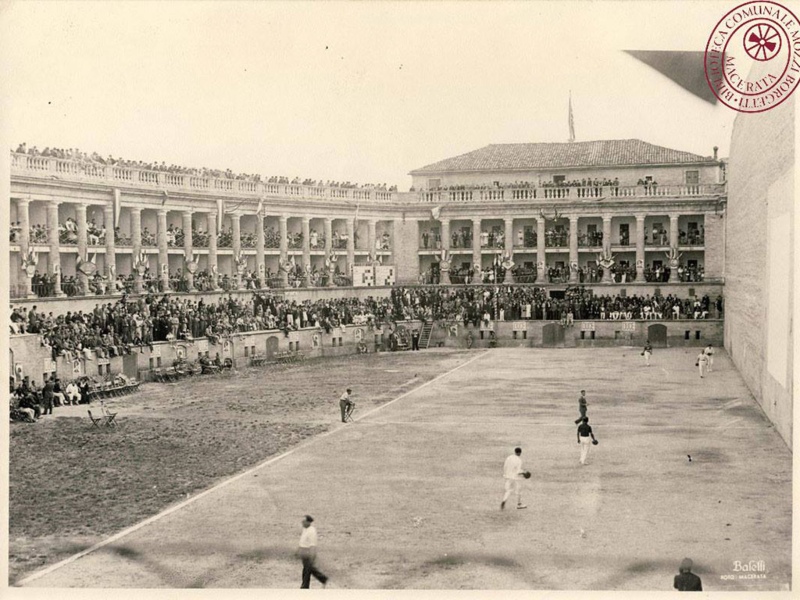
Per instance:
{"type": "Point", "coordinates": [686, 581]}
{"type": "Point", "coordinates": [415, 340]}
{"type": "Point", "coordinates": [47, 397]}
{"type": "Point", "coordinates": [585, 438]}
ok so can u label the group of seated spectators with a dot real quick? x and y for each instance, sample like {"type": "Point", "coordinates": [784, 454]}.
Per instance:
{"type": "Point", "coordinates": [74, 154]}
{"type": "Point", "coordinates": [28, 401]}
{"type": "Point", "coordinates": [118, 328]}
{"type": "Point", "coordinates": [489, 303]}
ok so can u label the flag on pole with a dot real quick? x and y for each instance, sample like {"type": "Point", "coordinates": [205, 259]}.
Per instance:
{"type": "Point", "coordinates": [260, 209]}
{"type": "Point", "coordinates": [571, 120]}
{"type": "Point", "coordinates": [117, 207]}
{"type": "Point", "coordinates": [165, 198]}
{"type": "Point", "coordinates": [355, 219]}
{"type": "Point", "coordinates": [220, 214]}
{"type": "Point", "coordinates": [435, 212]}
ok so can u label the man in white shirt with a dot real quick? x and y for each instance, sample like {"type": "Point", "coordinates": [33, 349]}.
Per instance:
{"type": "Point", "coordinates": [709, 352]}
{"type": "Point", "coordinates": [512, 473]}
{"type": "Point", "coordinates": [346, 405]}
{"type": "Point", "coordinates": [702, 363]}
{"type": "Point", "coordinates": [73, 394]}
{"type": "Point", "coordinates": [308, 554]}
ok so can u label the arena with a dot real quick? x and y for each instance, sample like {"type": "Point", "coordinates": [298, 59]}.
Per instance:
{"type": "Point", "coordinates": [200, 358]}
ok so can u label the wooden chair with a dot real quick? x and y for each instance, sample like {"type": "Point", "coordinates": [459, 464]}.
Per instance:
{"type": "Point", "coordinates": [108, 415]}
{"type": "Point", "coordinates": [98, 421]}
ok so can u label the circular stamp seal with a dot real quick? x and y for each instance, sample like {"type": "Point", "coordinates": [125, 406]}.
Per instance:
{"type": "Point", "coordinates": [752, 58]}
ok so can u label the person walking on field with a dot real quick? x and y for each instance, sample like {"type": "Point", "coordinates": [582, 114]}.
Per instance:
{"type": "Point", "coordinates": [585, 438]}
{"type": "Point", "coordinates": [582, 406]}
{"type": "Point", "coordinates": [709, 352]}
{"type": "Point", "coordinates": [647, 353]}
{"type": "Point", "coordinates": [346, 405]}
{"type": "Point", "coordinates": [512, 473]}
{"type": "Point", "coordinates": [702, 363]}
{"type": "Point", "coordinates": [308, 554]}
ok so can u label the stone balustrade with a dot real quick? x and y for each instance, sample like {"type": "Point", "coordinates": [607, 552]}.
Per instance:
{"type": "Point", "coordinates": [568, 193]}
{"type": "Point", "coordinates": [24, 164]}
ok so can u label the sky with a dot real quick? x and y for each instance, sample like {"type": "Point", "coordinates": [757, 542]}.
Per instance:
{"type": "Point", "coordinates": [346, 91]}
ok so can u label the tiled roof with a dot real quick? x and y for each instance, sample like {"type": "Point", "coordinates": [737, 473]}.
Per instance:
{"type": "Point", "coordinates": [602, 153]}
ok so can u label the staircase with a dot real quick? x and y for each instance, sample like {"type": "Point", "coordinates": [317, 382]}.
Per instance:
{"type": "Point", "coordinates": [425, 335]}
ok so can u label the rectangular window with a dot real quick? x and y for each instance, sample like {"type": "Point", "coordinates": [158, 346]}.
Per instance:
{"type": "Point", "coordinates": [524, 334]}
{"type": "Point", "coordinates": [592, 332]}
{"type": "Point", "coordinates": [158, 362]}
{"type": "Point", "coordinates": [340, 342]}
{"type": "Point", "coordinates": [559, 178]}
{"type": "Point", "coordinates": [692, 177]}
{"type": "Point", "coordinates": [686, 334]}
{"type": "Point", "coordinates": [434, 183]}
{"type": "Point", "coordinates": [697, 335]}
{"type": "Point", "coordinates": [481, 334]}
{"type": "Point", "coordinates": [583, 335]}
{"type": "Point", "coordinates": [333, 342]}
{"type": "Point", "coordinates": [515, 335]}
{"type": "Point", "coordinates": [152, 362]}
{"type": "Point", "coordinates": [246, 351]}
{"type": "Point", "coordinates": [623, 292]}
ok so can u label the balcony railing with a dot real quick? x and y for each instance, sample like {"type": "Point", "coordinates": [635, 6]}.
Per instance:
{"type": "Point", "coordinates": [568, 193]}
{"type": "Point", "coordinates": [24, 164]}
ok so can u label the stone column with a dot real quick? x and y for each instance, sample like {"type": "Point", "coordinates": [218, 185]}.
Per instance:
{"type": "Point", "coordinates": [445, 233]}
{"type": "Point", "coordinates": [607, 246]}
{"type": "Point", "coordinates": [187, 249]}
{"type": "Point", "coordinates": [640, 248]}
{"type": "Point", "coordinates": [573, 248]}
{"type": "Point", "coordinates": [163, 255]}
{"type": "Point", "coordinates": [213, 267]}
{"type": "Point", "coordinates": [236, 229]}
{"type": "Point", "coordinates": [351, 246]}
{"type": "Point", "coordinates": [284, 247]}
{"type": "Point", "coordinates": [541, 254]}
{"type": "Point", "coordinates": [80, 217]}
{"type": "Point", "coordinates": [673, 243]}
{"type": "Point", "coordinates": [54, 258]}
{"type": "Point", "coordinates": [306, 229]}
{"type": "Point", "coordinates": [136, 243]}
{"type": "Point", "coordinates": [111, 248]}
{"type": "Point", "coordinates": [329, 245]}
{"type": "Point", "coordinates": [24, 218]}
{"type": "Point", "coordinates": [476, 243]}
{"type": "Point", "coordinates": [261, 261]}
{"type": "Point", "coordinates": [371, 234]}
{"type": "Point", "coordinates": [673, 231]}
{"type": "Point", "coordinates": [508, 241]}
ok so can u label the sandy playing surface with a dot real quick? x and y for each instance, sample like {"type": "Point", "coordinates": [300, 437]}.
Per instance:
{"type": "Point", "coordinates": [408, 497]}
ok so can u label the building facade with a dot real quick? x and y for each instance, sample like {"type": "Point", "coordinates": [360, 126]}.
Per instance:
{"type": "Point", "coordinates": [602, 212]}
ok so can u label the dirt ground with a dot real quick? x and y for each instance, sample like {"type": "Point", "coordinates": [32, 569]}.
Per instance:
{"type": "Point", "coordinates": [408, 497]}
{"type": "Point", "coordinates": [72, 484]}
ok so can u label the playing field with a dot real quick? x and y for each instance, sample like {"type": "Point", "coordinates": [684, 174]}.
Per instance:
{"type": "Point", "coordinates": [409, 495]}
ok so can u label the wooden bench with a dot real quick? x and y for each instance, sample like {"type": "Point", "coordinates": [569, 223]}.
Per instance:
{"type": "Point", "coordinates": [258, 360]}
{"type": "Point", "coordinates": [289, 356]}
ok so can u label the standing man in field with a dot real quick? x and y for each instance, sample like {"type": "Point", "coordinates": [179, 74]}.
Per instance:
{"type": "Point", "coordinates": [512, 473]}
{"type": "Point", "coordinates": [709, 352]}
{"type": "Point", "coordinates": [702, 363]}
{"type": "Point", "coordinates": [346, 405]}
{"type": "Point", "coordinates": [585, 438]}
{"type": "Point", "coordinates": [582, 407]}
{"type": "Point", "coordinates": [647, 353]}
{"type": "Point", "coordinates": [308, 554]}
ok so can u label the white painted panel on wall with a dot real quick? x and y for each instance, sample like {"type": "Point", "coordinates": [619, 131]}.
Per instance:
{"type": "Point", "coordinates": [778, 266]}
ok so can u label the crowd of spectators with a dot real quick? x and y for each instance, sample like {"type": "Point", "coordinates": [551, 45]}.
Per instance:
{"type": "Point", "coordinates": [113, 329]}
{"type": "Point", "coordinates": [584, 182]}
{"type": "Point", "coordinates": [93, 158]}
